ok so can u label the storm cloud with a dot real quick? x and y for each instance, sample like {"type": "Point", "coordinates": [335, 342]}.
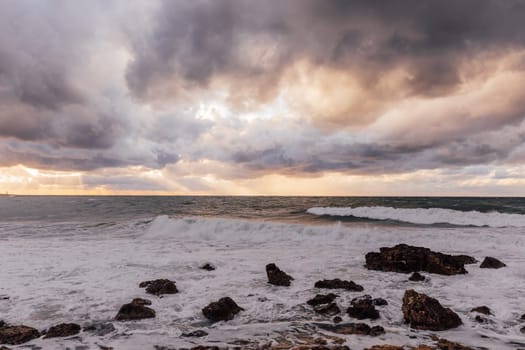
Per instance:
{"type": "Point", "coordinates": [296, 88]}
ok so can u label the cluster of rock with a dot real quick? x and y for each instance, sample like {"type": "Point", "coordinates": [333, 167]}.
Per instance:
{"type": "Point", "coordinates": [419, 310]}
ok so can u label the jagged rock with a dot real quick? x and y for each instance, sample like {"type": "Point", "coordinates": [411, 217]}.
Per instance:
{"type": "Point", "coordinates": [62, 330]}
{"type": "Point", "coordinates": [352, 328]}
{"type": "Point", "coordinates": [444, 344]}
{"type": "Point", "coordinates": [465, 259]}
{"type": "Point", "coordinates": [134, 311]}
{"type": "Point", "coordinates": [197, 334]}
{"type": "Point", "coordinates": [277, 277]}
{"type": "Point", "coordinates": [416, 277]}
{"type": "Point", "coordinates": [322, 299]}
{"type": "Point", "coordinates": [100, 329]}
{"type": "Point", "coordinates": [481, 319]}
{"type": "Point", "coordinates": [491, 263]}
{"type": "Point", "coordinates": [405, 258]}
{"type": "Point", "coordinates": [208, 267]}
{"type": "Point", "coordinates": [339, 284]}
{"type": "Point", "coordinates": [337, 319]}
{"type": "Point", "coordinates": [327, 309]}
{"type": "Point", "coordinates": [159, 287]}
{"type": "Point", "coordinates": [362, 308]}
{"type": "Point", "coordinates": [379, 302]}
{"type": "Point", "coordinates": [14, 335]}
{"type": "Point", "coordinates": [140, 301]}
{"type": "Point", "coordinates": [222, 310]}
{"type": "Point", "coordinates": [482, 310]}
{"type": "Point", "coordinates": [424, 312]}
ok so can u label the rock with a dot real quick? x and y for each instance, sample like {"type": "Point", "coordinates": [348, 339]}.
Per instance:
{"type": "Point", "coordinates": [159, 287]}
{"type": "Point", "coordinates": [522, 330]}
{"type": "Point", "coordinates": [522, 318]}
{"type": "Point", "coordinates": [322, 299]}
{"type": "Point", "coordinates": [443, 344]}
{"type": "Point", "coordinates": [379, 302]}
{"type": "Point", "coordinates": [222, 310]}
{"type": "Point", "coordinates": [62, 330]}
{"type": "Point", "coordinates": [327, 309]}
{"type": "Point", "coordinates": [4, 348]}
{"type": "Point", "coordinates": [2, 324]}
{"type": "Point", "coordinates": [14, 335]}
{"type": "Point", "coordinates": [416, 277]}
{"type": "Point", "coordinates": [140, 301]}
{"type": "Point", "coordinates": [424, 312]}
{"type": "Point", "coordinates": [133, 311]}
{"type": "Point", "coordinates": [352, 328]}
{"type": "Point", "coordinates": [465, 259]}
{"type": "Point", "coordinates": [207, 267]}
{"type": "Point", "coordinates": [482, 310]}
{"type": "Point", "coordinates": [339, 284]}
{"type": "Point", "coordinates": [491, 263]}
{"type": "Point", "coordinates": [100, 329]}
{"type": "Point", "coordinates": [385, 347]}
{"type": "Point", "coordinates": [337, 319]}
{"type": "Point", "coordinates": [481, 319]}
{"type": "Point", "coordinates": [405, 258]}
{"type": "Point", "coordinates": [277, 277]}
{"type": "Point", "coordinates": [197, 334]}
{"type": "Point", "coordinates": [362, 308]}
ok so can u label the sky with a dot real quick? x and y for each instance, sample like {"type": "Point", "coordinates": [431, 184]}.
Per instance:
{"type": "Point", "coordinates": [245, 97]}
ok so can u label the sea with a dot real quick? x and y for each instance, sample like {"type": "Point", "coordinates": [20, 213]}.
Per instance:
{"type": "Point", "coordinates": [79, 258]}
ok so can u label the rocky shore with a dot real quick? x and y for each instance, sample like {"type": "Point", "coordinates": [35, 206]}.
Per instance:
{"type": "Point", "coordinates": [420, 311]}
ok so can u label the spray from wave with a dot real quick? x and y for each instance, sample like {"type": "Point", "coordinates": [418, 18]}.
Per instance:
{"type": "Point", "coordinates": [428, 216]}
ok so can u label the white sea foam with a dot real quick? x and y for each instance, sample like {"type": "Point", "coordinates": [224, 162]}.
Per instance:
{"type": "Point", "coordinates": [69, 277]}
{"type": "Point", "coordinates": [426, 216]}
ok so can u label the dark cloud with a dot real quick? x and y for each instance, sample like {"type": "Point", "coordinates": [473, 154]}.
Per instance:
{"type": "Point", "coordinates": [195, 41]}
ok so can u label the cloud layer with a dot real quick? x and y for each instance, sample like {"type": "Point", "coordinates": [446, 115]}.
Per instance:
{"type": "Point", "coordinates": [253, 89]}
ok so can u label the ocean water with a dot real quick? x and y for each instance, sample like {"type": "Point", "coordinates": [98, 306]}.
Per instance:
{"type": "Point", "coordinates": [78, 259]}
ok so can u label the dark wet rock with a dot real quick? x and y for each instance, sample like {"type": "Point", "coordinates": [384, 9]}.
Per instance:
{"type": "Point", "coordinates": [352, 328]}
{"type": "Point", "coordinates": [100, 329]}
{"type": "Point", "coordinates": [159, 287]}
{"type": "Point", "coordinates": [277, 277]}
{"type": "Point", "coordinates": [424, 312]}
{"type": "Point", "coordinates": [405, 259]}
{"type": "Point", "coordinates": [133, 311]}
{"type": "Point", "coordinates": [4, 297]}
{"type": "Point", "coordinates": [522, 330]}
{"type": "Point", "coordinates": [522, 318]}
{"type": "Point", "coordinates": [204, 347]}
{"type": "Point", "coordinates": [491, 263]}
{"type": "Point", "coordinates": [327, 309]}
{"type": "Point", "coordinates": [14, 335]}
{"type": "Point", "coordinates": [197, 334]}
{"type": "Point", "coordinates": [337, 319]}
{"type": "Point", "coordinates": [363, 308]}
{"type": "Point", "coordinates": [416, 277]}
{"type": "Point", "coordinates": [140, 301]}
{"type": "Point", "coordinates": [444, 344]}
{"type": "Point", "coordinates": [379, 302]}
{"type": "Point", "coordinates": [481, 319]}
{"type": "Point", "coordinates": [2, 324]}
{"type": "Point", "coordinates": [322, 299]}
{"type": "Point", "coordinates": [465, 259]}
{"type": "Point", "coordinates": [222, 310]}
{"type": "Point", "coordinates": [339, 284]}
{"type": "Point", "coordinates": [62, 330]}
{"type": "Point", "coordinates": [207, 267]}
{"type": "Point", "coordinates": [482, 310]}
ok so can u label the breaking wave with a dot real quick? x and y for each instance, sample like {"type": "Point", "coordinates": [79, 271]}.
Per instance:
{"type": "Point", "coordinates": [428, 216]}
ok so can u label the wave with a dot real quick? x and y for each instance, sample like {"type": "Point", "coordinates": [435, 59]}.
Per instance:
{"type": "Point", "coordinates": [425, 216]}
